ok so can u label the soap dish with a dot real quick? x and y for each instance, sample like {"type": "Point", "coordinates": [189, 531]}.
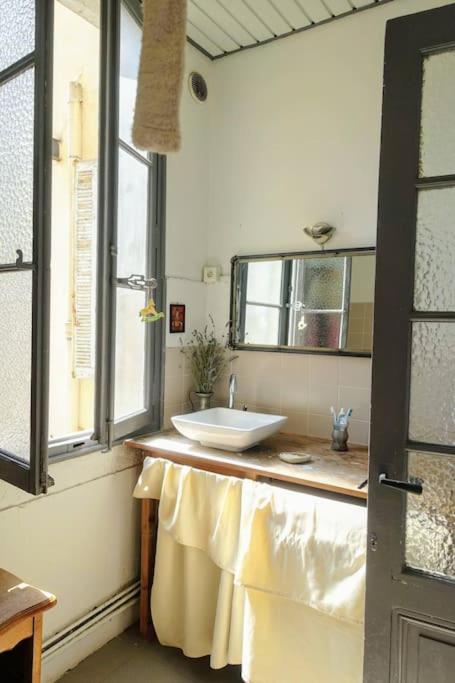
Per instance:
{"type": "Point", "coordinates": [295, 458]}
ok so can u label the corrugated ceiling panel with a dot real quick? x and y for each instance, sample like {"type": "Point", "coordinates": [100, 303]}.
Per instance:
{"type": "Point", "coordinates": [224, 17]}
{"type": "Point", "coordinates": [361, 3]}
{"type": "Point", "coordinates": [247, 18]}
{"type": "Point", "coordinates": [269, 15]}
{"type": "Point", "coordinates": [338, 6]}
{"type": "Point", "coordinates": [293, 13]}
{"type": "Point", "coordinates": [220, 27]}
{"type": "Point", "coordinates": [314, 9]}
{"type": "Point", "coordinates": [202, 40]}
{"type": "Point", "coordinates": [217, 35]}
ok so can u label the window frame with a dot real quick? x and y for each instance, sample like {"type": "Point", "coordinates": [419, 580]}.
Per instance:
{"type": "Point", "coordinates": [32, 476]}
{"type": "Point", "coordinates": [237, 301]}
{"type": "Point", "coordinates": [107, 432]}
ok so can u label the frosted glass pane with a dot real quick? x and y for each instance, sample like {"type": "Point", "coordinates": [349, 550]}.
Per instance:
{"type": "Point", "coordinates": [17, 30]}
{"type": "Point", "coordinates": [320, 330]}
{"type": "Point", "coordinates": [319, 283]}
{"type": "Point", "coordinates": [15, 359]}
{"type": "Point", "coordinates": [437, 144]}
{"type": "Point", "coordinates": [262, 325]}
{"type": "Point", "coordinates": [430, 518]}
{"type": "Point", "coordinates": [264, 282]}
{"type": "Point", "coordinates": [129, 353]}
{"type": "Point", "coordinates": [130, 51]}
{"type": "Point", "coordinates": [435, 251]}
{"type": "Point", "coordinates": [132, 215]}
{"type": "Point", "coordinates": [16, 167]}
{"type": "Point", "coordinates": [432, 408]}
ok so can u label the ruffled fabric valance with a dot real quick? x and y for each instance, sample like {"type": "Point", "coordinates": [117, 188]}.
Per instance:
{"type": "Point", "coordinates": [257, 575]}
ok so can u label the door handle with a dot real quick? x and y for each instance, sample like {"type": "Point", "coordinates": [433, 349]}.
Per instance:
{"type": "Point", "coordinates": [408, 486]}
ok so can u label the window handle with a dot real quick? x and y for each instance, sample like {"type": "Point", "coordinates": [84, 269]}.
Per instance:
{"type": "Point", "coordinates": [137, 282]}
{"type": "Point", "coordinates": [407, 486]}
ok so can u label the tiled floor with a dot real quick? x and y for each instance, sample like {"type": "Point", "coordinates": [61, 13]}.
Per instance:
{"type": "Point", "coordinates": [130, 659]}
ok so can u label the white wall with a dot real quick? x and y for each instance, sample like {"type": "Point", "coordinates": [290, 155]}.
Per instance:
{"type": "Point", "coordinates": [187, 205]}
{"type": "Point", "coordinates": [294, 139]}
{"type": "Point", "coordinates": [81, 540]}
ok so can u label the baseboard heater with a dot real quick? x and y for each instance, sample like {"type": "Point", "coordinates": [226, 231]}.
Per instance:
{"type": "Point", "coordinates": [78, 629]}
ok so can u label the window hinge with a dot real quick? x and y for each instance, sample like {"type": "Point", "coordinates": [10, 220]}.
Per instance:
{"type": "Point", "coordinates": [110, 433]}
{"type": "Point", "coordinates": [46, 481]}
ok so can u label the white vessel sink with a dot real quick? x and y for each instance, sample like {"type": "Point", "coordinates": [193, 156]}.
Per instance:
{"type": "Point", "coordinates": [228, 429]}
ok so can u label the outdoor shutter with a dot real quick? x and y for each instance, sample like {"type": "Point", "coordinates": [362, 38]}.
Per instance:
{"type": "Point", "coordinates": [85, 224]}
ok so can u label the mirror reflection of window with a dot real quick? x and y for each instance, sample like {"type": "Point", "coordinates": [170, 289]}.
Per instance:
{"type": "Point", "coordinates": [306, 303]}
{"type": "Point", "coordinates": [318, 302]}
{"type": "Point", "coordinates": [361, 305]}
{"type": "Point", "coordinates": [263, 305]}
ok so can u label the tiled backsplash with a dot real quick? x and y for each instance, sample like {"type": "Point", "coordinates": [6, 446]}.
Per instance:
{"type": "Point", "coordinates": [302, 387]}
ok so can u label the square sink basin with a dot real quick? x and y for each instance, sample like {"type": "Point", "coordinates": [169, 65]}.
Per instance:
{"type": "Point", "coordinates": [228, 429]}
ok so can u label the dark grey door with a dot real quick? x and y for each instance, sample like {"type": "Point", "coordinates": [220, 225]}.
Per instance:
{"type": "Point", "coordinates": [410, 611]}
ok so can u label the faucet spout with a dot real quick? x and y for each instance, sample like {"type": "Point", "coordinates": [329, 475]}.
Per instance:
{"type": "Point", "coordinates": [232, 390]}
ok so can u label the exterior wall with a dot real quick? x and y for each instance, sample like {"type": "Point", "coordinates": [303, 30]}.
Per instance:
{"type": "Point", "coordinates": [76, 58]}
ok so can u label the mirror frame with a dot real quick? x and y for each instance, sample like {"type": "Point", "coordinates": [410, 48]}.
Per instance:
{"type": "Point", "coordinates": [285, 256]}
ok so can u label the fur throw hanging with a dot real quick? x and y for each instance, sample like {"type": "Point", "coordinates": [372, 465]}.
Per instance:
{"type": "Point", "coordinates": [156, 121]}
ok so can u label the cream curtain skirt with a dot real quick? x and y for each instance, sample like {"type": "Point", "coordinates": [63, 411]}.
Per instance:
{"type": "Point", "coordinates": [257, 575]}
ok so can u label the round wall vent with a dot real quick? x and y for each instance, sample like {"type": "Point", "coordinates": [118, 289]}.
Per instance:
{"type": "Point", "coordinates": [198, 86]}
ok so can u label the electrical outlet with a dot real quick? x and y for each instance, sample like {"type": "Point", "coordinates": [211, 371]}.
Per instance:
{"type": "Point", "coordinates": [211, 274]}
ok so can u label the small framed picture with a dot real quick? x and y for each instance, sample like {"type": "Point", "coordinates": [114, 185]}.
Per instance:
{"type": "Point", "coordinates": [177, 319]}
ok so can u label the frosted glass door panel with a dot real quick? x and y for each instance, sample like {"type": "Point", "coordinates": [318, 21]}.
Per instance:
{"type": "Point", "coordinates": [129, 354]}
{"type": "Point", "coordinates": [432, 405]}
{"type": "Point", "coordinates": [437, 145]}
{"type": "Point", "coordinates": [132, 215]}
{"type": "Point", "coordinates": [430, 518]}
{"type": "Point", "coordinates": [16, 166]}
{"type": "Point", "coordinates": [15, 355]}
{"type": "Point", "coordinates": [435, 250]}
{"type": "Point", "coordinates": [17, 30]}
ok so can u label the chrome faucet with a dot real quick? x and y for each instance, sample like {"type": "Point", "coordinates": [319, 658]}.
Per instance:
{"type": "Point", "coordinates": [232, 390]}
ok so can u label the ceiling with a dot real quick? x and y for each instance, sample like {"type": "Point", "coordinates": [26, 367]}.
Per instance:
{"type": "Point", "coordinates": [221, 27]}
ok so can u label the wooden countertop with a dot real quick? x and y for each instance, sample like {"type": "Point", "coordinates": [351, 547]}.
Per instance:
{"type": "Point", "coordinates": [330, 471]}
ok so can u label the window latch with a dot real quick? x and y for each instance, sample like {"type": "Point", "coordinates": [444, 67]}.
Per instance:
{"type": "Point", "coordinates": [138, 282]}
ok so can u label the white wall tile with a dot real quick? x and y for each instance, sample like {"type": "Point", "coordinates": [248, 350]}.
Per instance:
{"type": "Point", "coordinates": [323, 370]}
{"type": "Point", "coordinates": [302, 387]}
{"type": "Point", "coordinates": [355, 372]}
{"type": "Point", "coordinates": [356, 398]}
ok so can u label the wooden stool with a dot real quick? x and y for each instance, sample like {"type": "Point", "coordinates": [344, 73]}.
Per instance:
{"type": "Point", "coordinates": [21, 623]}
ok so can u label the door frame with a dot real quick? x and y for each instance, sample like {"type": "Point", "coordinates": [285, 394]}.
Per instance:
{"type": "Point", "coordinates": [393, 589]}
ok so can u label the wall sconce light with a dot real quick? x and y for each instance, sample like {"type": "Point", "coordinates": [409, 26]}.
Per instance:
{"type": "Point", "coordinates": [320, 233]}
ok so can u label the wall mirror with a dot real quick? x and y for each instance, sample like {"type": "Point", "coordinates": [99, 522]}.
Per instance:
{"type": "Point", "coordinates": [313, 302]}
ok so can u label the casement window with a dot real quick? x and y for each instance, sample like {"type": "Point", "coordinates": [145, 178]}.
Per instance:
{"type": "Point", "coordinates": [81, 237]}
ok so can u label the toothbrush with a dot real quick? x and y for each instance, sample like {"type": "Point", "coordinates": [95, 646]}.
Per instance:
{"type": "Point", "coordinates": [344, 419]}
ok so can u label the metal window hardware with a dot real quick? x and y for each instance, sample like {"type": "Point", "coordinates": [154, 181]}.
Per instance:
{"type": "Point", "coordinates": [19, 263]}
{"type": "Point", "coordinates": [138, 282]}
{"type": "Point", "coordinates": [407, 486]}
{"type": "Point", "coordinates": [373, 542]}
